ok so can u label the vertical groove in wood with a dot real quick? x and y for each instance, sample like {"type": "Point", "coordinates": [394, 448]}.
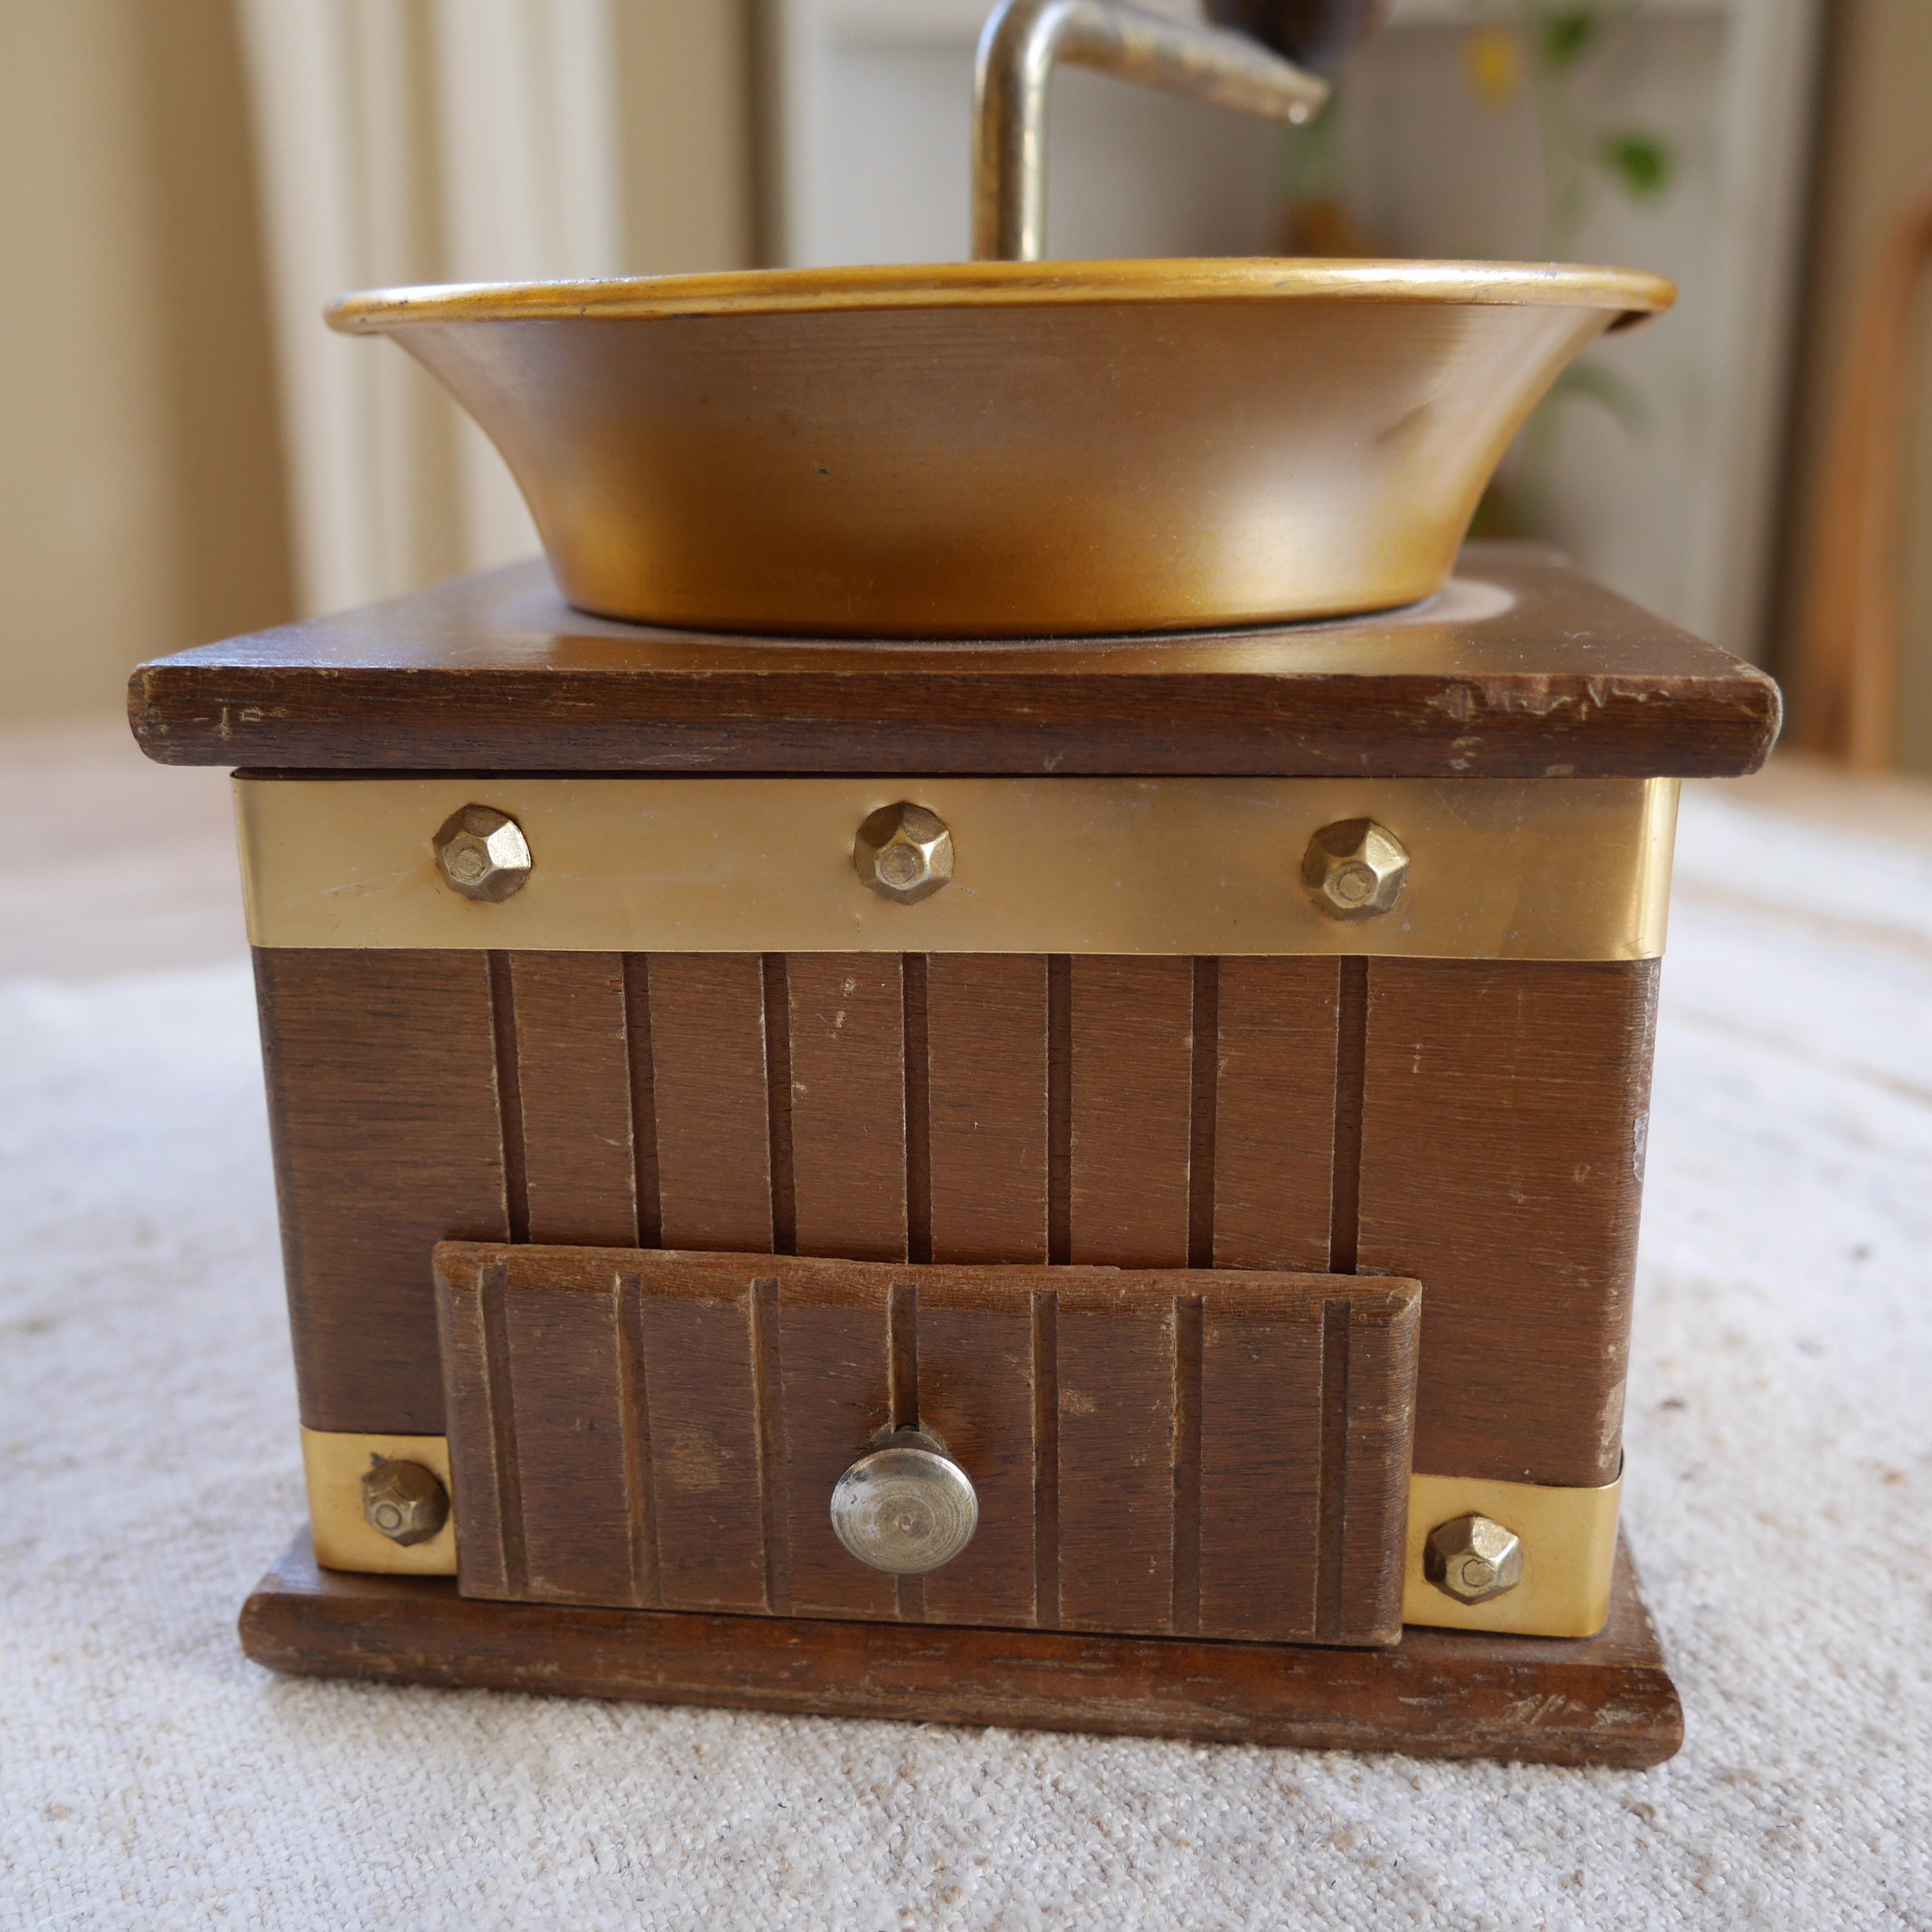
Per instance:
{"type": "Point", "coordinates": [902, 1359]}
{"type": "Point", "coordinates": [1201, 1114]}
{"type": "Point", "coordinates": [768, 1398]}
{"type": "Point", "coordinates": [573, 1094]}
{"type": "Point", "coordinates": [1352, 1027]}
{"type": "Point", "coordinates": [986, 1103]}
{"type": "Point", "coordinates": [1131, 1021]}
{"type": "Point", "coordinates": [1117, 1377]}
{"type": "Point", "coordinates": [643, 1099]}
{"type": "Point", "coordinates": [714, 1118]}
{"type": "Point", "coordinates": [902, 1353]}
{"type": "Point", "coordinates": [918, 1108]}
{"type": "Point", "coordinates": [503, 1432]}
{"type": "Point", "coordinates": [706, 1489]}
{"type": "Point", "coordinates": [1059, 1108]}
{"type": "Point", "coordinates": [1046, 1458]}
{"type": "Point", "coordinates": [1274, 1113]}
{"type": "Point", "coordinates": [1260, 1462]}
{"type": "Point", "coordinates": [845, 1050]}
{"type": "Point", "coordinates": [1187, 1396]}
{"type": "Point", "coordinates": [975, 1355]}
{"type": "Point", "coordinates": [1333, 1517]}
{"type": "Point", "coordinates": [475, 1488]}
{"type": "Point", "coordinates": [509, 1094]}
{"type": "Point", "coordinates": [778, 1104]}
{"type": "Point", "coordinates": [628, 1290]}
{"type": "Point", "coordinates": [1381, 1445]}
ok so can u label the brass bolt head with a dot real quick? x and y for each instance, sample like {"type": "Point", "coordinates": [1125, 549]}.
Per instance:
{"type": "Point", "coordinates": [903, 853]}
{"type": "Point", "coordinates": [482, 854]}
{"type": "Point", "coordinates": [1473, 1559]}
{"type": "Point", "coordinates": [403, 1500]}
{"type": "Point", "coordinates": [1354, 869]}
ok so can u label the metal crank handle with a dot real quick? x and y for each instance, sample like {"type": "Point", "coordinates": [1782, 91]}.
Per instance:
{"type": "Point", "coordinates": [1024, 39]}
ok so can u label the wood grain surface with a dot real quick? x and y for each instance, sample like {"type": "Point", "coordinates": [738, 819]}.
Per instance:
{"type": "Point", "coordinates": [1503, 1121]}
{"type": "Point", "coordinates": [736, 1425]}
{"type": "Point", "coordinates": [1476, 1126]}
{"type": "Point", "coordinates": [1603, 1700]}
{"type": "Point", "coordinates": [580, 1172]}
{"type": "Point", "coordinates": [1525, 668]}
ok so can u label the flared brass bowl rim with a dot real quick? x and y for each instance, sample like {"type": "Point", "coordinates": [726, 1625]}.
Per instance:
{"type": "Point", "coordinates": [1635, 293]}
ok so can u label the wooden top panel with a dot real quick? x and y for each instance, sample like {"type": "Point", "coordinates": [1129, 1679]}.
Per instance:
{"type": "Point", "coordinates": [1522, 668]}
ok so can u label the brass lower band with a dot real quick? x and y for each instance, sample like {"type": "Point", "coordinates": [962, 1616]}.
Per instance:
{"type": "Point", "coordinates": [1543, 868]}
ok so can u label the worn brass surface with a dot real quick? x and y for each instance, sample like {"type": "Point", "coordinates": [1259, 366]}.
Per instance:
{"type": "Point", "coordinates": [1022, 42]}
{"type": "Point", "coordinates": [404, 1501]}
{"type": "Point", "coordinates": [1355, 869]}
{"type": "Point", "coordinates": [483, 854]}
{"type": "Point", "coordinates": [1568, 1539]}
{"type": "Point", "coordinates": [903, 853]}
{"type": "Point", "coordinates": [1000, 450]}
{"type": "Point", "coordinates": [1473, 1559]}
{"type": "Point", "coordinates": [906, 1508]}
{"type": "Point", "coordinates": [335, 1466]}
{"type": "Point", "coordinates": [1552, 868]}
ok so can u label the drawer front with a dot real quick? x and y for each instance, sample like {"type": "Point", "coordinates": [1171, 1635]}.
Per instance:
{"type": "Point", "coordinates": [1154, 1451]}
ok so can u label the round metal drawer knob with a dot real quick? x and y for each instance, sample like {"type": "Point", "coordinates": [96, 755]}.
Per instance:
{"type": "Point", "coordinates": [905, 1509]}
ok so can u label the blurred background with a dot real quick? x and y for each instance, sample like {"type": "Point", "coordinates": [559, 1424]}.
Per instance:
{"type": "Point", "coordinates": [185, 453]}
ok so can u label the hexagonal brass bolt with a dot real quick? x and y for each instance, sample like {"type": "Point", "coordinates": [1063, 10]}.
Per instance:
{"type": "Point", "coordinates": [903, 853]}
{"type": "Point", "coordinates": [482, 854]}
{"type": "Point", "coordinates": [1472, 1559]}
{"type": "Point", "coordinates": [404, 1501]}
{"type": "Point", "coordinates": [1354, 869]}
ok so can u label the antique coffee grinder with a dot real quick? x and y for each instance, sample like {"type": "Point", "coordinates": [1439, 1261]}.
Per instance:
{"type": "Point", "coordinates": [988, 1059]}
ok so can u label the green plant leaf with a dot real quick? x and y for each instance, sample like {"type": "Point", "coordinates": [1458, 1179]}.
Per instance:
{"type": "Point", "coordinates": [1566, 35]}
{"type": "Point", "coordinates": [1642, 164]}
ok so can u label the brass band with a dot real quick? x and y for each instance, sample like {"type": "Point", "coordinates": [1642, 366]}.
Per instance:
{"type": "Point", "coordinates": [1548, 869]}
{"type": "Point", "coordinates": [335, 1465]}
{"type": "Point", "coordinates": [1569, 1545]}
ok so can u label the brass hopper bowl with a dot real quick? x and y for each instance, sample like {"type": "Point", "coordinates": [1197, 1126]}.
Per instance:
{"type": "Point", "coordinates": [1007, 447]}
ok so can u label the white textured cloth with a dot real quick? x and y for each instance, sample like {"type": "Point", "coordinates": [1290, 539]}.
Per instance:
{"type": "Point", "coordinates": [1779, 1499]}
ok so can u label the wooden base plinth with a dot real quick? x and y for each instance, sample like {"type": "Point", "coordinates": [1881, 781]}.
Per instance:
{"type": "Point", "coordinates": [1606, 1699]}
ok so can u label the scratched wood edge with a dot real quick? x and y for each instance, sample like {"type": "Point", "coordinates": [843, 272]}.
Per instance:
{"type": "Point", "coordinates": [1606, 1700]}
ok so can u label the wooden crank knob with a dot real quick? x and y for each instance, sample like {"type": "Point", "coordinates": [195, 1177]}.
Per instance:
{"type": "Point", "coordinates": [905, 1508]}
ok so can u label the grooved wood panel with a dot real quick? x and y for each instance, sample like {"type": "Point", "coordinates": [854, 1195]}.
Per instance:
{"type": "Point", "coordinates": [1502, 1142]}
{"type": "Point", "coordinates": [574, 1081]}
{"type": "Point", "coordinates": [1261, 1468]}
{"type": "Point", "coordinates": [382, 1111]}
{"type": "Point", "coordinates": [1275, 1113]}
{"type": "Point", "coordinates": [1373, 1481]}
{"type": "Point", "coordinates": [482, 1479]}
{"type": "Point", "coordinates": [1489, 1117]}
{"type": "Point", "coordinates": [758, 1379]}
{"type": "Point", "coordinates": [494, 672]}
{"type": "Point", "coordinates": [977, 1377]}
{"type": "Point", "coordinates": [713, 1117]}
{"type": "Point", "coordinates": [1132, 1024]}
{"type": "Point", "coordinates": [848, 1105]}
{"type": "Point", "coordinates": [1117, 1376]}
{"type": "Point", "coordinates": [986, 1050]}
{"type": "Point", "coordinates": [705, 1451]}
{"type": "Point", "coordinates": [566, 1390]}
{"type": "Point", "coordinates": [836, 1380]}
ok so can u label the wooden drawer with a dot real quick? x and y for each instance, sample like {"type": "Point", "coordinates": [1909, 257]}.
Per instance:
{"type": "Point", "coordinates": [1155, 1451]}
